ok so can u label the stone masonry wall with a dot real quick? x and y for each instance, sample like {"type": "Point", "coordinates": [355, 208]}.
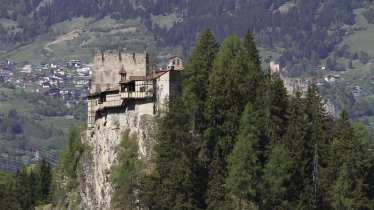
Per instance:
{"type": "Point", "coordinates": [107, 65]}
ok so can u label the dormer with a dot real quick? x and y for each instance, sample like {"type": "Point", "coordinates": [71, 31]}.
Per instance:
{"type": "Point", "coordinates": [123, 73]}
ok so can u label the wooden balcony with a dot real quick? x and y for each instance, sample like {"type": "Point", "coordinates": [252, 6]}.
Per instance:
{"type": "Point", "coordinates": [136, 95]}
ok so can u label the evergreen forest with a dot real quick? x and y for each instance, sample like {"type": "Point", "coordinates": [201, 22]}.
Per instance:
{"type": "Point", "coordinates": [236, 140]}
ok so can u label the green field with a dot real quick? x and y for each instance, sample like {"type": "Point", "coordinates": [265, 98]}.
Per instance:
{"type": "Point", "coordinates": [8, 23]}
{"type": "Point", "coordinates": [60, 122]}
{"type": "Point", "coordinates": [12, 101]}
{"type": "Point", "coordinates": [361, 40]}
{"type": "Point", "coordinates": [165, 20]}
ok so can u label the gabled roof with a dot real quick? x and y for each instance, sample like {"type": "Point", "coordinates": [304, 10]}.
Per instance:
{"type": "Point", "coordinates": [114, 89]}
{"type": "Point", "coordinates": [158, 74]}
{"type": "Point", "coordinates": [175, 56]}
{"type": "Point", "coordinates": [125, 81]}
{"type": "Point", "coordinates": [137, 78]}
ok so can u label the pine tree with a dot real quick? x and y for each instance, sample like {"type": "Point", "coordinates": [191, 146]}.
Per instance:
{"type": "Point", "coordinates": [277, 108]}
{"type": "Point", "coordinates": [227, 93]}
{"type": "Point", "coordinates": [252, 55]}
{"type": "Point", "coordinates": [348, 191]}
{"type": "Point", "coordinates": [45, 181]}
{"type": "Point", "coordinates": [262, 128]}
{"type": "Point", "coordinates": [23, 189]}
{"type": "Point", "coordinates": [218, 194]}
{"type": "Point", "coordinates": [10, 200]}
{"type": "Point", "coordinates": [227, 97]}
{"type": "Point", "coordinates": [252, 58]}
{"type": "Point", "coordinates": [245, 162]}
{"type": "Point", "coordinates": [196, 77]}
{"type": "Point", "coordinates": [349, 161]}
{"type": "Point", "coordinates": [175, 183]}
{"type": "Point", "coordinates": [295, 143]}
{"type": "Point", "coordinates": [317, 140]}
{"type": "Point", "coordinates": [276, 179]}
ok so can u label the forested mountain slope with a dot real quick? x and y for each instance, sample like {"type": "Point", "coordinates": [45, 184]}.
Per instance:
{"type": "Point", "coordinates": [302, 29]}
{"type": "Point", "coordinates": [301, 35]}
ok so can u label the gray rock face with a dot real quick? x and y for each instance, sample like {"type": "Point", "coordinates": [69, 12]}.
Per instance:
{"type": "Point", "coordinates": [103, 145]}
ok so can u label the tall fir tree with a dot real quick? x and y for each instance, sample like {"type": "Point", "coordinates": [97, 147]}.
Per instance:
{"type": "Point", "coordinates": [276, 178]}
{"type": "Point", "coordinates": [174, 183]}
{"type": "Point", "coordinates": [196, 76]}
{"type": "Point", "coordinates": [45, 178]}
{"type": "Point", "coordinates": [317, 140]}
{"type": "Point", "coordinates": [10, 199]}
{"type": "Point", "coordinates": [262, 127]}
{"type": "Point", "coordinates": [253, 60]}
{"type": "Point", "coordinates": [348, 167]}
{"type": "Point", "coordinates": [277, 106]}
{"type": "Point", "coordinates": [295, 143]}
{"type": "Point", "coordinates": [252, 55]}
{"type": "Point", "coordinates": [217, 195]}
{"type": "Point", "coordinates": [246, 161]}
{"type": "Point", "coordinates": [227, 97]}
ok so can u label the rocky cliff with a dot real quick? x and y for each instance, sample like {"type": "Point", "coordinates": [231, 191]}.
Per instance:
{"type": "Point", "coordinates": [101, 147]}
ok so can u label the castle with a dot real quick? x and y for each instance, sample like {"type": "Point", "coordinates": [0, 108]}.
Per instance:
{"type": "Point", "coordinates": [122, 80]}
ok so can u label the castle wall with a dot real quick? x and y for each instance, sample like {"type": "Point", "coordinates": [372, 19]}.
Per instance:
{"type": "Point", "coordinates": [106, 68]}
{"type": "Point", "coordinates": [162, 91]}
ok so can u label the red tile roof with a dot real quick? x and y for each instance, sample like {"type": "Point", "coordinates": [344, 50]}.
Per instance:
{"type": "Point", "coordinates": [137, 78]}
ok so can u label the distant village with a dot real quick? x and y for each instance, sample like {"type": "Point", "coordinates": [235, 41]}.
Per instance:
{"type": "Point", "coordinates": [67, 81]}
{"type": "Point", "coordinates": [301, 84]}
{"type": "Point", "coordinates": [70, 81]}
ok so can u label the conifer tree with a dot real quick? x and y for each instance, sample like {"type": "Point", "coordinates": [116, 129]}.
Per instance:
{"type": "Point", "coordinates": [317, 140]}
{"type": "Point", "coordinates": [294, 141]}
{"type": "Point", "coordinates": [262, 128]}
{"type": "Point", "coordinates": [218, 194]}
{"type": "Point", "coordinates": [23, 190]}
{"type": "Point", "coordinates": [276, 179]}
{"type": "Point", "coordinates": [45, 181]}
{"type": "Point", "coordinates": [277, 108]}
{"type": "Point", "coordinates": [196, 77]}
{"type": "Point", "coordinates": [227, 97]}
{"type": "Point", "coordinates": [348, 191]}
{"type": "Point", "coordinates": [174, 183]}
{"type": "Point", "coordinates": [10, 199]}
{"type": "Point", "coordinates": [245, 162]}
{"type": "Point", "coordinates": [252, 55]}
{"type": "Point", "coordinates": [349, 156]}
{"type": "Point", "coordinates": [253, 60]}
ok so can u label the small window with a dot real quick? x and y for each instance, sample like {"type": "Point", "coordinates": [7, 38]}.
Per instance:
{"type": "Point", "coordinates": [142, 89]}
